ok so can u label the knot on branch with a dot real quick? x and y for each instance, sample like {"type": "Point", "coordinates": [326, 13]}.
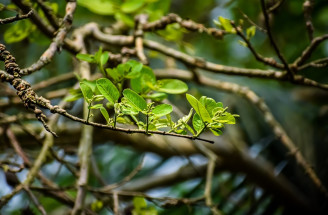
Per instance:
{"type": "Point", "coordinates": [23, 88]}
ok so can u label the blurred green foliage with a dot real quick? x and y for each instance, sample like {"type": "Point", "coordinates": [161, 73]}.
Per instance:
{"type": "Point", "coordinates": [286, 101]}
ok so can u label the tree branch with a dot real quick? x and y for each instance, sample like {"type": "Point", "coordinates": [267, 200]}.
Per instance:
{"type": "Point", "coordinates": [16, 18]}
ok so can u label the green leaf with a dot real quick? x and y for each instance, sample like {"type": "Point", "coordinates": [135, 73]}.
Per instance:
{"type": "Point", "coordinates": [227, 118]}
{"type": "Point", "coordinates": [97, 206]}
{"type": "Point", "coordinates": [226, 25]}
{"type": "Point", "coordinates": [134, 70]}
{"type": "Point", "coordinates": [74, 97]}
{"type": "Point", "coordinates": [96, 106]}
{"type": "Point", "coordinates": [135, 100]}
{"type": "Point", "coordinates": [162, 110]}
{"type": "Point", "coordinates": [146, 80]}
{"type": "Point", "coordinates": [216, 131]}
{"type": "Point", "coordinates": [157, 97]}
{"type": "Point", "coordinates": [104, 58]}
{"type": "Point", "coordinates": [86, 57]}
{"type": "Point", "coordinates": [108, 89]}
{"type": "Point", "coordinates": [86, 91]}
{"type": "Point", "coordinates": [250, 32]}
{"type": "Point", "coordinates": [18, 31]}
{"type": "Point", "coordinates": [131, 6]}
{"type": "Point", "coordinates": [172, 86]}
{"type": "Point", "coordinates": [114, 74]}
{"type": "Point", "coordinates": [127, 109]}
{"type": "Point", "coordinates": [99, 6]}
{"type": "Point", "coordinates": [98, 55]}
{"type": "Point", "coordinates": [104, 113]}
{"type": "Point", "coordinates": [186, 118]}
{"type": "Point", "coordinates": [139, 203]}
{"type": "Point", "coordinates": [210, 104]}
{"type": "Point", "coordinates": [91, 84]}
{"type": "Point", "coordinates": [197, 123]}
{"type": "Point", "coordinates": [199, 108]}
{"type": "Point", "coordinates": [242, 43]}
{"type": "Point", "coordinates": [125, 18]}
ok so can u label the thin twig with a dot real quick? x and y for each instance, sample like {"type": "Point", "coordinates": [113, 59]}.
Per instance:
{"type": "Point", "coordinates": [273, 43]}
{"type": "Point", "coordinates": [251, 21]}
{"type": "Point", "coordinates": [57, 42]}
{"type": "Point", "coordinates": [49, 13]}
{"type": "Point", "coordinates": [275, 6]}
{"type": "Point", "coordinates": [306, 54]}
{"type": "Point", "coordinates": [185, 23]}
{"type": "Point", "coordinates": [268, 61]}
{"type": "Point", "coordinates": [125, 179]}
{"type": "Point", "coordinates": [35, 201]}
{"type": "Point", "coordinates": [323, 62]}
{"type": "Point", "coordinates": [307, 9]}
{"type": "Point", "coordinates": [16, 18]}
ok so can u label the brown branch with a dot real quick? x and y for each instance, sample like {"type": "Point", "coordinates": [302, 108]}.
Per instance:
{"type": "Point", "coordinates": [212, 160]}
{"type": "Point", "coordinates": [306, 54]}
{"type": "Point", "coordinates": [323, 62]}
{"type": "Point", "coordinates": [217, 68]}
{"type": "Point", "coordinates": [258, 57]}
{"type": "Point", "coordinates": [125, 179]}
{"type": "Point", "coordinates": [52, 81]}
{"type": "Point", "coordinates": [116, 203]}
{"type": "Point", "coordinates": [35, 201]}
{"type": "Point", "coordinates": [187, 24]}
{"type": "Point", "coordinates": [273, 43]}
{"type": "Point", "coordinates": [307, 9]}
{"type": "Point", "coordinates": [275, 6]}
{"type": "Point", "coordinates": [35, 18]}
{"type": "Point", "coordinates": [57, 42]}
{"type": "Point", "coordinates": [49, 13]}
{"type": "Point", "coordinates": [251, 21]}
{"type": "Point", "coordinates": [16, 18]}
{"type": "Point", "coordinates": [85, 148]}
{"type": "Point", "coordinates": [23, 88]}
{"type": "Point", "coordinates": [140, 20]}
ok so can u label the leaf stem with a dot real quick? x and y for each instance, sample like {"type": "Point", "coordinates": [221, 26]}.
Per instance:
{"type": "Point", "coordinates": [115, 118]}
{"type": "Point", "coordinates": [201, 131]}
{"type": "Point", "coordinates": [147, 122]}
{"type": "Point", "coordinates": [89, 110]}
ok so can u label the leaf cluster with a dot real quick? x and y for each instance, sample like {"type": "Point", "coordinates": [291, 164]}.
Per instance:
{"type": "Point", "coordinates": [141, 104]}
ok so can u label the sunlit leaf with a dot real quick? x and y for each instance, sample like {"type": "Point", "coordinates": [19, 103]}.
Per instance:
{"type": "Point", "coordinates": [172, 86]}
{"type": "Point", "coordinates": [108, 89]}
{"type": "Point", "coordinates": [144, 81]}
{"type": "Point", "coordinates": [197, 123]}
{"type": "Point", "coordinates": [131, 6]}
{"type": "Point", "coordinates": [162, 110]}
{"type": "Point", "coordinates": [216, 131]}
{"type": "Point", "coordinates": [134, 70]}
{"type": "Point", "coordinates": [226, 25]}
{"type": "Point", "coordinates": [157, 97]}
{"type": "Point", "coordinates": [139, 202]}
{"type": "Point", "coordinates": [134, 99]}
{"type": "Point", "coordinates": [98, 6]}
{"type": "Point", "coordinates": [86, 91]}
{"type": "Point", "coordinates": [210, 104]}
{"type": "Point", "coordinates": [18, 31]}
{"type": "Point", "coordinates": [104, 58]}
{"type": "Point", "coordinates": [250, 32]}
{"type": "Point", "coordinates": [199, 108]}
{"type": "Point", "coordinates": [86, 57]}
